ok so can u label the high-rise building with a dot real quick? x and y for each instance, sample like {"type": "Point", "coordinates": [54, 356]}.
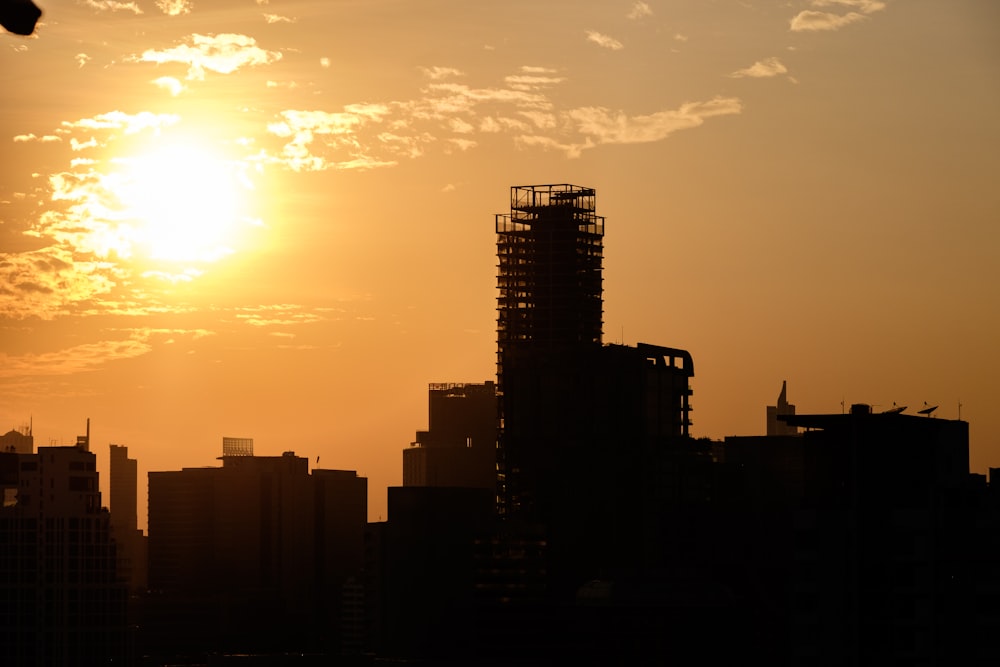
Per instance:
{"type": "Point", "coordinates": [586, 431]}
{"type": "Point", "coordinates": [61, 601]}
{"type": "Point", "coordinates": [254, 555]}
{"type": "Point", "coordinates": [459, 446]}
{"type": "Point", "coordinates": [550, 251]}
{"type": "Point", "coordinates": [124, 518]}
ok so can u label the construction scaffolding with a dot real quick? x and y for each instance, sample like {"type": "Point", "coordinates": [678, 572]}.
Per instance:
{"type": "Point", "coordinates": [550, 250]}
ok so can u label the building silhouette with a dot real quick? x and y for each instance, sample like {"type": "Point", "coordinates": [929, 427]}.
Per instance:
{"type": "Point", "coordinates": [866, 540]}
{"type": "Point", "coordinates": [549, 281]}
{"type": "Point", "coordinates": [61, 600]}
{"type": "Point", "coordinates": [124, 478]}
{"type": "Point", "coordinates": [775, 424]}
{"type": "Point", "coordinates": [459, 446]}
{"type": "Point", "coordinates": [884, 572]}
{"type": "Point", "coordinates": [18, 441]}
{"type": "Point", "coordinates": [586, 431]}
{"type": "Point", "coordinates": [256, 555]}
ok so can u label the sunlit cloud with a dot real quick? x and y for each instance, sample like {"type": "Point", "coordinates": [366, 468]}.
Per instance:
{"type": "Point", "coordinates": [364, 163]}
{"type": "Point", "coordinates": [866, 6]}
{"type": "Point", "coordinates": [535, 69]}
{"type": "Point", "coordinates": [277, 18]}
{"type": "Point", "coordinates": [540, 119]}
{"type": "Point", "coordinates": [283, 314]}
{"type": "Point", "coordinates": [811, 20]}
{"type": "Point", "coordinates": [462, 144]}
{"type": "Point", "coordinates": [169, 84]}
{"type": "Point", "coordinates": [324, 62]}
{"type": "Point", "coordinates": [77, 359]}
{"type": "Point", "coordinates": [461, 126]}
{"type": "Point", "coordinates": [604, 41]}
{"type": "Point", "coordinates": [45, 283]}
{"type": "Point", "coordinates": [405, 146]}
{"type": "Point", "coordinates": [174, 7]}
{"type": "Point", "coordinates": [46, 138]}
{"type": "Point", "coordinates": [438, 73]}
{"type": "Point", "coordinates": [318, 140]}
{"type": "Point", "coordinates": [112, 6]}
{"type": "Point", "coordinates": [639, 10]}
{"type": "Point", "coordinates": [494, 124]}
{"type": "Point", "coordinates": [571, 149]}
{"type": "Point", "coordinates": [761, 69]}
{"type": "Point", "coordinates": [145, 332]}
{"type": "Point", "coordinates": [186, 275]}
{"type": "Point", "coordinates": [119, 120]}
{"type": "Point", "coordinates": [82, 145]}
{"type": "Point", "coordinates": [81, 59]}
{"type": "Point", "coordinates": [601, 126]}
{"type": "Point", "coordinates": [457, 97]}
{"type": "Point", "coordinates": [532, 78]}
{"type": "Point", "coordinates": [223, 53]}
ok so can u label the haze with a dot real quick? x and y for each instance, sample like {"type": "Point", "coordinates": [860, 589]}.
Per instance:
{"type": "Point", "coordinates": [275, 220]}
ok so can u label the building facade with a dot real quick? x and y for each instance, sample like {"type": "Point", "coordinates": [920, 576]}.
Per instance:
{"type": "Point", "coordinates": [259, 553]}
{"type": "Point", "coordinates": [459, 446]}
{"type": "Point", "coordinates": [61, 600]}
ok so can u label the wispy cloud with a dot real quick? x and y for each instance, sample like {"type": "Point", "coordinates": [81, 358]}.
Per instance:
{"type": "Point", "coordinates": [174, 7]}
{"type": "Point", "coordinates": [604, 41]}
{"type": "Point", "coordinates": [32, 137]}
{"type": "Point", "coordinates": [531, 78]}
{"type": "Point", "coordinates": [277, 18]}
{"type": "Point", "coordinates": [812, 20]}
{"type": "Point", "coordinates": [639, 10]}
{"type": "Point", "coordinates": [169, 84]}
{"type": "Point", "coordinates": [602, 126]}
{"type": "Point", "coordinates": [223, 53]}
{"type": "Point", "coordinates": [45, 283]}
{"type": "Point", "coordinates": [77, 359]}
{"type": "Point", "coordinates": [450, 114]}
{"type": "Point", "coordinates": [762, 69]}
{"type": "Point", "coordinates": [112, 6]}
{"type": "Point", "coordinates": [437, 73]}
{"type": "Point", "coordinates": [119, 120]}
{"type": "Point", "coordinates": [282, 314]}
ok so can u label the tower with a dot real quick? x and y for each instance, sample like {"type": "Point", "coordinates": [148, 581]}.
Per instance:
{"type": "Point", "coordinates": [549, 306]}
{"type": "Point", "coordinates": [776, 426]}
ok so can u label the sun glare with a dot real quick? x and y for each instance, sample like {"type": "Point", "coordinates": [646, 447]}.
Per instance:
{"type": "Point", "coordinates": [185, 204]}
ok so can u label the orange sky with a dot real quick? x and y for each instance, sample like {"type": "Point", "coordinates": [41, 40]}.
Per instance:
{"type": "Point", "coordinates": [275, 219]}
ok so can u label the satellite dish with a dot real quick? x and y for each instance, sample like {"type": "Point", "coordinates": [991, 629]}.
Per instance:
{"type": "Point", "coordinates": [928, 410]}
{"type": "Point", "coordinates": [894, 410]}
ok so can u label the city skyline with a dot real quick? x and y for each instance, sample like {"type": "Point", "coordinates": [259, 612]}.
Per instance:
{"type": "Point", "coordinates": [275, 220]}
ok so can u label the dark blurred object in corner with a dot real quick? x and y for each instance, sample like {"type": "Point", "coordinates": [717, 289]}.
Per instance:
{"type": "Point", "coordinates": [19, 16]}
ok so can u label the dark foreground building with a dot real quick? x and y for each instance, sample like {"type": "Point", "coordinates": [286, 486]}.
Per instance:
{"type": "Point", "coordinates": [258, 556]}
{"type": "Point", "coordinates": [61, 600]}
{"type": "Point", "coordinates": [586, 431]}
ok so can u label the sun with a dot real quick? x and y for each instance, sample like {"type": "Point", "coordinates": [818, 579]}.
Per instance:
{"type": "Point", "coordinates": [183, 203]}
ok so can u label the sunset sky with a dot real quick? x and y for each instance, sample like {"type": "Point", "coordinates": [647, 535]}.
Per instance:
{"type": "Point", "coordinates": [276, 219]}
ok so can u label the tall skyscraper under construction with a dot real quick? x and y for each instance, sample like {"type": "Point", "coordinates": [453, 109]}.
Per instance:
{"type": "Point", "coordinates": [550, 250]}
{"type": "Point", "coordinates": [585, 430]}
